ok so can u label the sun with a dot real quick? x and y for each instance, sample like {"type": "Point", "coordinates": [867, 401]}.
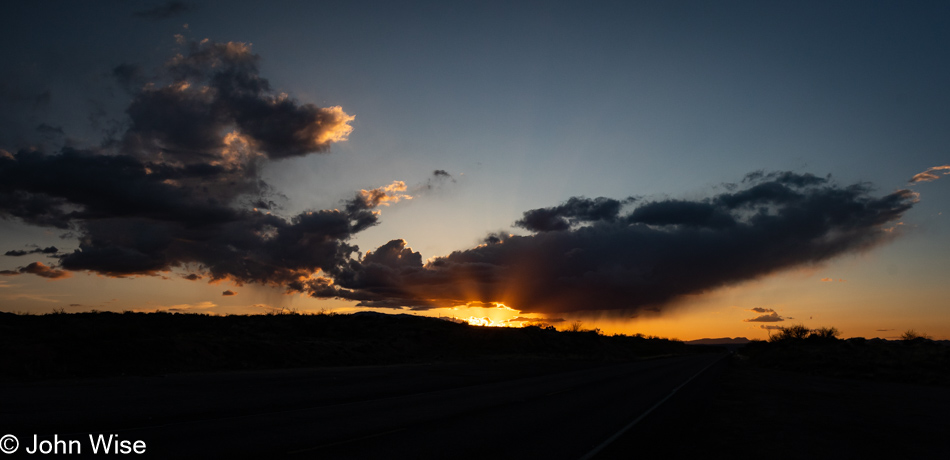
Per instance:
{"type": "Point", "coordinates": [484, 321]}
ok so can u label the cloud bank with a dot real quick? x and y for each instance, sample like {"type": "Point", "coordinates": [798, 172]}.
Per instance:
{"type": "Point", "coordinates": [587, 256]}
{"type": "Point", "coordinates": [180, 188]}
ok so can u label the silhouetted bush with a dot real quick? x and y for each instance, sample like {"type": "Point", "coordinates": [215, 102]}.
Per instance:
{"type": "Point", "coordinates": [824, 334]}
{"type": "Point", "coordinates": [915, 359]}
{"type": "Point", "coordinates": [796, 332]}
{"type": "Point", "coordinates": [912, 335]}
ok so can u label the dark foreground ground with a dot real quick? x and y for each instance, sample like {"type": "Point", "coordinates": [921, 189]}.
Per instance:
{"type": "Point", "coordinates": [796, 399]}
{"type": "Point", "coordinates": [55, 346]}
{"type": "Point", "coordinates": [758, 412]}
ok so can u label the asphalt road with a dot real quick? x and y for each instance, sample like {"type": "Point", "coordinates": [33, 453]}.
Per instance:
{"type": "Point", "coordinates": [553, 411]}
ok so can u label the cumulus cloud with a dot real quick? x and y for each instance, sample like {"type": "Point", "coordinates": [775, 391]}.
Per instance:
{"type": "Point", "coordinates": [212, 106]}
{"type": "Point", "coordinates": [587, 256]}
{"type": "Point", "coordinates": [931, 174]}
{"type": "Point", "coordinates": [228, 293]}
{"type": "Point", "coordinates": [178, 186]}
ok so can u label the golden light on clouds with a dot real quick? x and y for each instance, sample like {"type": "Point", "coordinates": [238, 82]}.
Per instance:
{"type": "Point", "coordinates": [931, 174]}
{"type": "Point", "coordinates": [384, 196]}
{"type": "Point", "coordinates": [334, 125]}
{"type": "Point", "coordinates": [238, 150]}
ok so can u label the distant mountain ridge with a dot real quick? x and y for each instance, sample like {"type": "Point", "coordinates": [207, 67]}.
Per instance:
{"type": "Point", "coordinates": [719, 341]}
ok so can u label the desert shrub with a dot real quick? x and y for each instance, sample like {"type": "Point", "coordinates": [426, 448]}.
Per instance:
{"type": "Point", "coordinates": [796, 332]}
{"type": "Point", "coordinates": [912, 335]}
{"type": "Point", "coordinates": [825, 333]}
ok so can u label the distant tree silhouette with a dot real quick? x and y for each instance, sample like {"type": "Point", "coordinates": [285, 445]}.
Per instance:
{"type": "Point", "coordinates": [824, 334]}
{"type": "Point", "coordinates": [796, 332]}
{"type": "Point", "coordinates": [912, 335]}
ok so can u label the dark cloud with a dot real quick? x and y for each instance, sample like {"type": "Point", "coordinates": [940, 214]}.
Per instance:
{"type": "Point", "coordinates": [496, 237]}
{"type": "Point", "coordinates": [20, 252]}
{"type": "Point", "coordinates": [536, 320]}
{"type": "Point", "coordinates": [48, 131]}
{"type": "Point", "coordinates": [439, 178]}
{"type": "Point", "coordinates": [638, 261]}
{"type": "Point", "coordinates": [215, 107]}
{"type": "Point", "coordinates": [677, 212]}
{"type": "Point", "coordinates": [576, 210]}
{"type": "Point", "coordinates": [770, 317]}
{"type": "Point", "coordinates": [131, 77]}
{"type": "Point", "coordinates": [168, 10]}
{"type": "Point", "coordinates": [173, 191]}
{"type": "Point", "coordinates": [228, 293]}
{"type": "Point", "coordinates": [192, 277]}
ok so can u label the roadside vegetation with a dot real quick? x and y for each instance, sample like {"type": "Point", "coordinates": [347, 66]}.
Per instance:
{"type": "Point", "coordinates": [916, 358]}
{"type": "Point", "coordinates": [60, 344]}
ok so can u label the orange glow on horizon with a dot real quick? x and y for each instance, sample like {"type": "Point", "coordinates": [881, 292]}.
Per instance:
{"type": "Point", "coordinates": [486, 322]}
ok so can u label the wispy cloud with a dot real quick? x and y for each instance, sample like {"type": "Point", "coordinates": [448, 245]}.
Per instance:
{"type": "Point", "coordinates": [35, 297]}
{"type": "Point", "coordinates": [181, 308]}
{"type": "Point", "coordinates": [931, 174]}
{"type": "Point", "coordinates": [20, 252]}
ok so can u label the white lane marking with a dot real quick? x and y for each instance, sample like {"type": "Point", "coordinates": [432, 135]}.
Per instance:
{"type": "Point", "coordinates": [630, 425]}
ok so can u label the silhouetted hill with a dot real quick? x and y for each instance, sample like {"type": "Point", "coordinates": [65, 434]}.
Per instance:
{"type": "Point", "coordinates": [106, 343]}
{"type": "Point", "coordinates": [719, 341]}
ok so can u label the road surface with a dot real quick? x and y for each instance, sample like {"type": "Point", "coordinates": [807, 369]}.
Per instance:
{"type": "Point", "coordinates": [435, 411]}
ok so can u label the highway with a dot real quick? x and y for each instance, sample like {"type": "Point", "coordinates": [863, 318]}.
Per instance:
{"type": "Point", "coordinates": [424, 412]}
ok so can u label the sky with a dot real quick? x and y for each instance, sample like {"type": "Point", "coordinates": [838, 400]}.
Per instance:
{"type": "Point", "coordinates": [682, 169]}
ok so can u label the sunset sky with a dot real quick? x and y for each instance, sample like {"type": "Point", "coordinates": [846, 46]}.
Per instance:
{"type": "Point", "coordinates": [681, 169]}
